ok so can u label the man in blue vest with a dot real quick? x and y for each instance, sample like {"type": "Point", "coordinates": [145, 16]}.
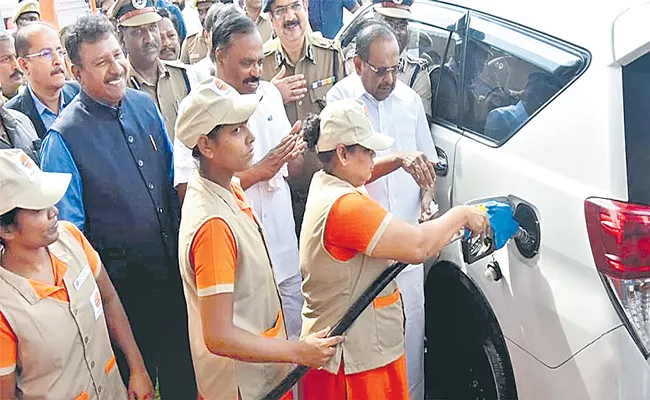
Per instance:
{"type": "Point", "coordinates": [114, 143]}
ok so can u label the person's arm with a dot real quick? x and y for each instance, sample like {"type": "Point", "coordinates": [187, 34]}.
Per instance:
{"type": "Point", "coordinates": [360, 224]}
{"type": "Point", "coordinates": [56, 157]}
{"type": "Point", "coordinates": [8, 353]}
{"type": "Point", "coordinates": [429, 238]}
{"type": "Point", "coordinates": [120, 333]}
{"type": "Point", "coordinates": [117, 322]}
{"type": "Point", "coordinates": [184, 166]}
{"type": "Point", "coordinates": [214, 257]}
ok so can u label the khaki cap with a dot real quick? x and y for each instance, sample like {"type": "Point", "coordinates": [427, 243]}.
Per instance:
{"type": "Point", "coordinates": [208, 106]}
{"type": "Point", "coordinates": [197, 2]}
{"type": "Point", "coordinates": [346, 122]}
{"type": "Point", "coordinates": [24, 185]}
{"type": "Point", "coordinates": [400, 9]}
{"type": "Point", "coordinates": [25, 7]}
{"type": "Point", "coordinates": [131, 13]}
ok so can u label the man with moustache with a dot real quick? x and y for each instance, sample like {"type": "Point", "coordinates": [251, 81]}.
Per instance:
{"type": "Point", "coordinates": [11, 77]}
{"type": "Point", "coordinates": [42, 58]}
{"type": "Point", "coordinates": [17, 132]}
{"type": "Point", "coordinates": [114, 143]}
{"type": "Point", "coordinates": [253, 9]}
{"type": "Point", "coordinates": [413, 71]}
{"type": "Point", "coordinates": [166, 82]}
{"type": "Point", "coordinates": [170, 46]}
{"type": "Point", "coordinates": [303, 65]}
{"type": "Point", "coordinates": [397, 111]}
{"type": "Point", "coordinates": [238, 55]}
{"type": "Point", "coordinates": [195, 47]}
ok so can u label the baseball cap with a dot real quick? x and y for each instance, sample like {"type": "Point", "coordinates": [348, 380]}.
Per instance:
{"type": "Point", "coordinates": [208, 106]}
{"type": "Point", "coordinates": [25, 7]}
{"type": "Point", "coordinates": [393, 8]}
{"type": "Point", "coordinates": [24, 185]}
{"type": "Point", "coordinates": [134, 12]}
{"type": "Point", "coordinates": [347, 122]}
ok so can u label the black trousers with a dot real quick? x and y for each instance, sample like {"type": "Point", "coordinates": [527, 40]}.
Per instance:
{"type": "Point", "coordinates": [158, 317]}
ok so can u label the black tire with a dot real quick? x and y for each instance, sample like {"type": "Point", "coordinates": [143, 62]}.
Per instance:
{"type": "Point", "coordinates": [466, 354]}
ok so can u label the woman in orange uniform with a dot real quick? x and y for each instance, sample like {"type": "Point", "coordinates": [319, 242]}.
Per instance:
{"type": "Point", "coordinates": [237, 334]}
{"type": "Point", "coordinates": [58, 308]}
{"type": "Point", "coordinates": [347, 241]}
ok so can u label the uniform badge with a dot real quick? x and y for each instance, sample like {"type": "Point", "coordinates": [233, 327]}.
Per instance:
{"type": "Point", "coordinates": [139, 4]}
{"type": "Point", "coordinates": [310, 52]}
{"type": "Point", "coordinates": [401, 64]}
{"type": "Point", "coordinates": [322, 82]}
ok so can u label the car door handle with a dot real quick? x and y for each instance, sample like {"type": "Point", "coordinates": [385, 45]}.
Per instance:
{"type": "Point", "coordinates": [441, 166]}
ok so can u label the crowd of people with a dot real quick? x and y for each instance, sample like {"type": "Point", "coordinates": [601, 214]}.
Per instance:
{"type": "Point", "coordinates": [196, 212]}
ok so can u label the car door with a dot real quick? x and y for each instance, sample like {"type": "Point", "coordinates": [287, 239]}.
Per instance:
{"type": "Point", "coordinates": [511, 77]}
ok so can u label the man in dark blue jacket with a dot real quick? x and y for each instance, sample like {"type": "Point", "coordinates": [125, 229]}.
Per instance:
{"type": "Point", "coordinates": [42, 58]}
{"type": "Point", "coordinates": [114, 143]}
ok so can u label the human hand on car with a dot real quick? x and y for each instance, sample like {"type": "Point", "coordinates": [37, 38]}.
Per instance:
{"type": "Point", "coordinates": [420, 167]}
{"type": "Point", "coordinates": [428, 207]}
{"type": "Point", "coordinates": [316, 349]}
{"type": "Point", "coordinates": [292, 88]}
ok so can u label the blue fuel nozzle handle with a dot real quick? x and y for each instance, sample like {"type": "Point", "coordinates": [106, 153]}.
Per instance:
{"type": "Point", "coordinates": [502, 221]}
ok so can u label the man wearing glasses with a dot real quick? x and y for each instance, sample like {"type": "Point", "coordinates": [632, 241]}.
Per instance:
{"type": "Point", "coordinates": [303, 65]}
{"type": "Point", "coordinates": [397, 111]}
{"type": "Point", "coordinates": [412, 71]}
{"type": "Point", "coordinates": [167, 82]}
{"type": "Point", "coordinates": [42, 59]}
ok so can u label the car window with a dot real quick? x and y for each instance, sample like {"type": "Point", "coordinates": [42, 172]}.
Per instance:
{"type": "Point", "coordinates": [509, 74]}
{"type": "Point", "coordinates": [436, 36]}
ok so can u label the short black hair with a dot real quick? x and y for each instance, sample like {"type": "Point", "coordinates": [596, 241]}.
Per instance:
{"type": "Point", "coordinates": [196, 153]}
{"type": "Point", "coordinates": [8, 218]}
{"type": "Point", "coordinates": [230, 21]}
{"type": "Point", "coordinates": [87, 29]}
{"type": "Point", "coordinates": [23, 35]}
{"type": "Point", "coordinates": [368, 35]}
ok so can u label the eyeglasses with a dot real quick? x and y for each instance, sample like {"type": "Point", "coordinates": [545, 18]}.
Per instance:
{"type": "Point", "coordinates": [280, 12]}
{"type": "Point", "coordinates": [48, 54]}
{"type": "Point", "coordinates": [382, 71]}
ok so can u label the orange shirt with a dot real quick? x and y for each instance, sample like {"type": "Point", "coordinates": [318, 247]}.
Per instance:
{"type": "Point", "coordinates": [351, 228]}
{"type": "Point", "coordinates": [214, 251]}
{"type": "Point", "coordinates": [57, 292]}
{"type": "Point", "coordinates": [352, 224]}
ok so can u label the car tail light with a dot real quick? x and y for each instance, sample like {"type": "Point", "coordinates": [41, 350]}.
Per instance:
{"type": "Point", "coordinates": [619, 234]}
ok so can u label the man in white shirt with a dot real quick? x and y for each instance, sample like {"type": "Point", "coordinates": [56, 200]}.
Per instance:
{"type": "Point", "coordinates": [239, 56]}
{"type": "Point", "coordinates": [396, 110]}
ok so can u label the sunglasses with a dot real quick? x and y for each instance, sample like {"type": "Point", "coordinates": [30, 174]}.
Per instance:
{"type": "Point", "coordinates": [383, 71]}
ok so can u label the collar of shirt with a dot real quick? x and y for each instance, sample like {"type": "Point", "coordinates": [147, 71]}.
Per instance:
{"type": "Point", "coordinates": [42, 108]}
{"type": "Point", "coordinates": [140, 80]}
{"type": "Point", "coordinates": [97, 105]}
{"type": "Point", "coordinates": [308, 52]}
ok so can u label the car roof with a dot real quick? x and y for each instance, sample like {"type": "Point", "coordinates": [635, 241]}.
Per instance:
{"type": "Point", "coordinates": [586, 23]}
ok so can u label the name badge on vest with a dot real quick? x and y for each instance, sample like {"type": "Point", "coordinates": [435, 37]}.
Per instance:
{"type": "Point", "coordinates": [96, 303]}
{"type": "Point", "coordinates": [81, 278]}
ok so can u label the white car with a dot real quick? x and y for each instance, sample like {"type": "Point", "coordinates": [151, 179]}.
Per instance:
{"type": "Point", "coordinates": [546, 105]}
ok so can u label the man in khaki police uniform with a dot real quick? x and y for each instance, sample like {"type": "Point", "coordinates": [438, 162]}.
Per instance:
{"type": "Point", "coordinates": [303, 65]}
{"type": "Point", "coordinates": [26, 12]}
{"type": "Point", "coordinates": [412, 71]}
{"type": "Point", "coordinates": [195, 47]}
{"type": "Point", "coordinates": [254, 11]}
{"type": "Point", "coordinates": [167, 82]}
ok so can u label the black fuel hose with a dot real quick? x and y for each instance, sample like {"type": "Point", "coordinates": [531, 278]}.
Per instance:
{"type": "Point", "coordinates": [343, 325]}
